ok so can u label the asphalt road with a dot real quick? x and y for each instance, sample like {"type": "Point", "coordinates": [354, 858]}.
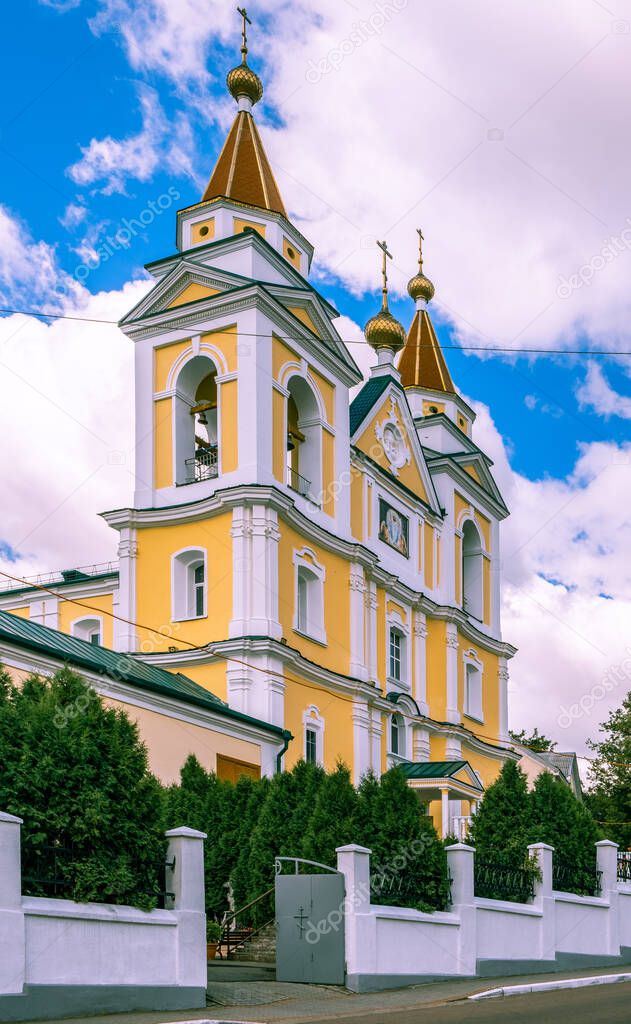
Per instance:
{"type": "Point", "coordinates": [597, 1004]}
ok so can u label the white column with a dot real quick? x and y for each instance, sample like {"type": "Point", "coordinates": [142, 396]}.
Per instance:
{"type": "Point", "coordinates": [496, 577]}
{"type": "Point", "coordinates": [359, 932]}
{"type": "Point", "coordinates": [239, 685]}
{"type": "Point", "coordinates": [460, 860]}
{"type": "Point", "coordinates": [185, 878]}
{"type": "Point", "coordinates": [125, 635]}
{"type": "Point", "coordinates": [361, 740]}
{"type": "Point", "coordinates": [420, 747]}
{"type": "Point", "coordinates": [451, 657]}
{"type": "Point", "coordinates": [371, 630]}
{"type": "Point", "coordinates": [255, 540]}
{"type": "Point", "coordinates": [503, 699]}
{"type": "Point", "coordinates": [543, 899]}
{"type": "Point", "coordinates": [420, 662]}
{"type": "Point", "coordinates": [444, 812]}
{"type": "Point", "coordinates": [376, 730]}
{"type": "Point", "coordinates": [607, 864]}
{"type": "Point", "coordinates": [357, 664]}
{"type": "Point", "coordinates": [12, 933]}
{"type": "Point", "coordinates": [453, 748]}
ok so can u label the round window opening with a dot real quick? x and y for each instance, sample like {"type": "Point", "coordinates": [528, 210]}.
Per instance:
{"type": "Point", "coordinates": [291, 253]}
{"type": "Point", "coordinates": [433, 408]}
{"type": "Point", "coordinates": [203, 231]}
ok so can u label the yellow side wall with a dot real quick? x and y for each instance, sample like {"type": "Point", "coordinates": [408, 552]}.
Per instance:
{"type": "Point", "coordinates": [102, 604]}
{"type": "Point", "coordinates": [156, 545]}
{"type": "Point", "coordinates": [279, 442]}
{"type": "Point", "coordinates": [338, 724]}
{"type": "Point", "coordinates": [436, 669]}
{"type": "Point", "coordinates": [163, 359]}
{"type": "Point", "coordinates": [22, 613]}
{"type": "Point", "coordinates": [335, 655]}
{"type": "Point", "coordinates": [357, 504]}
{"type": "Point", "coordinates": [170, 741]}
{"type": "Point", "coordinates": [240, 225]}
{"type": "Point", "coordinates": [163, 442]}
{"type": "Point", "coordinates": [328, 473]}
{"type": "Point", "coordinates": [429, 556]}
{"type": "Point", "coordinates": [229, 426]}
{"type": "Point", "coordinates": [489, 729]}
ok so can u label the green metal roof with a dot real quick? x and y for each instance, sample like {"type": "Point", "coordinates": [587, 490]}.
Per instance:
{"type": "Point", "coordinates": [366, 398]}
{"type": "Point", "coordinates": [116, 665]}
{"type": "Point", "coordinates": [431, 769]}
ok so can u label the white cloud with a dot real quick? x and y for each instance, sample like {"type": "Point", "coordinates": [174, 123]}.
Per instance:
{"type": "Point", "coordinates": [29, 272]}
{"type": "Point", "coordinates": [61, 5]}
{"type": "Point", "coordinates": [159, 146]}
{"type": "Point", "coordinates": [484, 124]}
{"type": "Point", "coordinates": [596, 393]}
{"type": "Point", "coordinates": [74, 214]}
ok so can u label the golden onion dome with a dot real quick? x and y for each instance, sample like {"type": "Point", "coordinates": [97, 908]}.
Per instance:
{"type": "Point", "coordinates": [420, 287]}
{"type": "Point", "coordinates": [242, 81]}
{"type": "Point", "coordinates": [384, 331]}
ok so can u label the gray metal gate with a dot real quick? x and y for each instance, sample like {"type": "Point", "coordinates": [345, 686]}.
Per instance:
{"type": "Point", "coordinates": [309, 924]}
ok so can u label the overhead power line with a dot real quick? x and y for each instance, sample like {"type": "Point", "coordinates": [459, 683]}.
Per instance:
{"type": "Point", "coordinates": [600, 352]}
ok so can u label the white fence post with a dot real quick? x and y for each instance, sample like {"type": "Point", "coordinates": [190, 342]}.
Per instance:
{"type": "Point", "coordinates": [607, 864]}
{"type": "Point", "coordinates": [185, 879]}
{"type": "Point", "coordinates": [460, 861]}
{"type": "Point", "coordinates": [359, 937]}
{"type": "Point", "coordinates": [12, 934]}
{"type": "Point", "coordinates": [544, 900]}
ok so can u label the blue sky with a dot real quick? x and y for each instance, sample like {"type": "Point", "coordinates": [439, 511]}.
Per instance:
{"type": "Point", "coordinates": [501, 130]}
{"type": "Point", "coordinates": [64, 85]}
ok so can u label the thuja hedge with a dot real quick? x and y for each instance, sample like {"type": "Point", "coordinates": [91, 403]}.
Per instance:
{"type": "Point", "coordinates": [511, 817]}
{"type": "Point", "coordinates": [306, 813]}
{"type": "Point", "coordinates": [94, 816]}
{"type": "Point", "coordinates": [76, 772]}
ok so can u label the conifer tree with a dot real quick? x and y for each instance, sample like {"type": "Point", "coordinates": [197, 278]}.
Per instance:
{"type": "Point", "coordinates": [500, 830]}
{"type": "Point", "coordinates": [558, 818]}
{"type": "Point", "coordinates": [332, 818]}
{"type": "Point", "coordinates": [76, 772]}
{"type": "Point", "coordinates": [610, 774]}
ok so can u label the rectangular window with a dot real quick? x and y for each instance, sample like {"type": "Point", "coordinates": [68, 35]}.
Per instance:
{"type": "Point", "coordinates": [473, 693]}
{"type": "Point", "coordinates": [394, 735]}
{"type": "Point", "coordinates": [311, 746]}
{"type": "Point", "coordinates": [95, 638]}
{"type": "Point", "coordinates": [198, 584]}
{"type": "Point", "coordinates": [302, 619]}
{"type": "Point", "coordinates": [395, 655]}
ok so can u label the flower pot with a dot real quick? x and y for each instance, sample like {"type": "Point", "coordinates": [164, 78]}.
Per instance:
{"type": "Point", "coordinates": [211, 950]}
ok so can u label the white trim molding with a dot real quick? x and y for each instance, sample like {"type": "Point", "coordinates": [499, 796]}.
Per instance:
{"type": "Point", "coordinates": [313, 720]}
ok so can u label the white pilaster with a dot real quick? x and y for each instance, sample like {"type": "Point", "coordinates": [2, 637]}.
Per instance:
{"type": "Point", "coordinates": [371, 630]}
{"type": "Point", "coordinates": [451, 655]}
{"type": "Point", "coordinates": [255, 539]}
{"type": "Point", "coordinates": [420, 662]}
{"type": "Point", "coordinates": [357, 664]}
{"type": "Point", "coordinates": [503, 699]}
{"type": "Point", "coordinates": [420, 745]}
{"type": "Point", "coordinates": [125, 635]}
{"type": "Point", "coordinates": [361, 740]}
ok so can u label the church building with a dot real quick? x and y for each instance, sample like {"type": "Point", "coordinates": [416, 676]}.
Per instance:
{"type": "Point", "coordinates": [327, 566]}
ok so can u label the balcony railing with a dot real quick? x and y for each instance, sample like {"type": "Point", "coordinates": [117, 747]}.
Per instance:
{"type": "Point", "coordinates": [460, 825]}
{"type": "Point", "coordinates": [77, 574]}
{"type": "Point", "coordinates": [298, 483]}
{"type": "Point", "coordinates": [624, 866]}
{"type": "Point", "coordinates": [204, 465]}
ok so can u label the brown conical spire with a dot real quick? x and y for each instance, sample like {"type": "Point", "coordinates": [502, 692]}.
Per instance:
{"type": "Point", "coordinates": [422, 363]}
{"type": "Point", "coordinates": [242, 172]}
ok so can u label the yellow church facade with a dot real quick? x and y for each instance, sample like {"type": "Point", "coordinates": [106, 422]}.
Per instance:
{"type": "Point", "coordinates": [325, 563]}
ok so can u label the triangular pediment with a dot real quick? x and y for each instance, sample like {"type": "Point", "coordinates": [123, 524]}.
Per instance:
{"type": "Point", "coordinates": [476, 467]}
{"type": "Point", "coordinates": [387, 435]}
{"type": "Point", "coordinates": [186, 282]}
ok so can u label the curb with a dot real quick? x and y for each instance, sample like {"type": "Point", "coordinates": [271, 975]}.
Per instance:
{"type": "Point", "coordinates": [551, 986]}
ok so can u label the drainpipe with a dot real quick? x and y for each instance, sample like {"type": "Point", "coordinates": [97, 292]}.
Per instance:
{"type": "Point", "coordinates": [287, 738]}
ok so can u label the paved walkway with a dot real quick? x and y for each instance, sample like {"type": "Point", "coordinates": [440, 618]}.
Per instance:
{"type": "Point", "coordinates": [271, 1001]}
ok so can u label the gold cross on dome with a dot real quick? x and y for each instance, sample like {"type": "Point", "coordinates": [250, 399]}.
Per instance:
{"type": "Point", "coordinates": [384, 271]}
{"type": "Point", "coordinates": [244, 31]}
{"type": "Point", "coordinates": [421, 239]}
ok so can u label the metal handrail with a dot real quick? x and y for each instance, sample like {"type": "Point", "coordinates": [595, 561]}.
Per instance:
{"type": "Point", "coordinates": [230, 917]}
{"type": "Point", "coordinates": [59, 575]}
{"type": "Point", "coordinates": [278, 867]}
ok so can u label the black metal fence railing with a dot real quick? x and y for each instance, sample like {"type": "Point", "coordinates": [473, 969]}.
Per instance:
{"type": "Point", "coordinates": [497, 881]}
{"type": "Point", "coordinates": [47, 871]}
{"type": "Point", "coordinates": [298, 483]}
{"type": "Point", "coordinates": [204, 465]}
{"type": "Point", "coordinates": [582, 880]}
{"type": "Point", "coordinates": [624, 866]}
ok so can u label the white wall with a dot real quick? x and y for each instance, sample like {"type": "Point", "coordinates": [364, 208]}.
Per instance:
{"type": "Point", "coordinates": [113, 949]}
{"type": "Point", "coordinates": [389, 944]}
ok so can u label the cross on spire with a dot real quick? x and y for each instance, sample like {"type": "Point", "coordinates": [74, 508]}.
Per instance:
{"type": "Point", "coordinates": [386, 254]}
{"type": "Point", "coordinates": [421, 239]}
{"type": "Point", "coordinates": [244, 33]}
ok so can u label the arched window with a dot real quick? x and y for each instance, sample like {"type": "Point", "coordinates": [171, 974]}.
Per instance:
{"type": "Point", "coordinates": [472, 571]}
{"type": "Point", "coordinates": [189, 584]}
{"type": "Point", "coordinates": [196, 451]}
{"type": "Point", "coordinates": [309, 602]}
{"type": "Point", "coordinates": [473, 691]}
{"type": "Point", "coordinates": [304, 440]}
{"type": "Point", "coordinates": [313, 724]}
{"type": "Point", "coordinates": [89, 629]}
{"type": "Point", "coordinates": [397, 735]}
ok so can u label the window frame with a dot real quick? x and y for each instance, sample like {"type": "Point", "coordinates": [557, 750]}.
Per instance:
{"type": "Point", "coordinates": [313, 722]}
{"type": "Point", "coordinates": [184, 587]}
{"type": "Point", "coordinates": [473, 709]}
{"type": "Point", "coordinates": [309, 596]}
{"type": "Point", "coordinates": [86, 627]}
{"type": "Point", "coordinates": [398, 625]}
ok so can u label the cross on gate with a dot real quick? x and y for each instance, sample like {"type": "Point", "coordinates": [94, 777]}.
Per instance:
{"type": "Point", "coordinates": [301, 918]}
